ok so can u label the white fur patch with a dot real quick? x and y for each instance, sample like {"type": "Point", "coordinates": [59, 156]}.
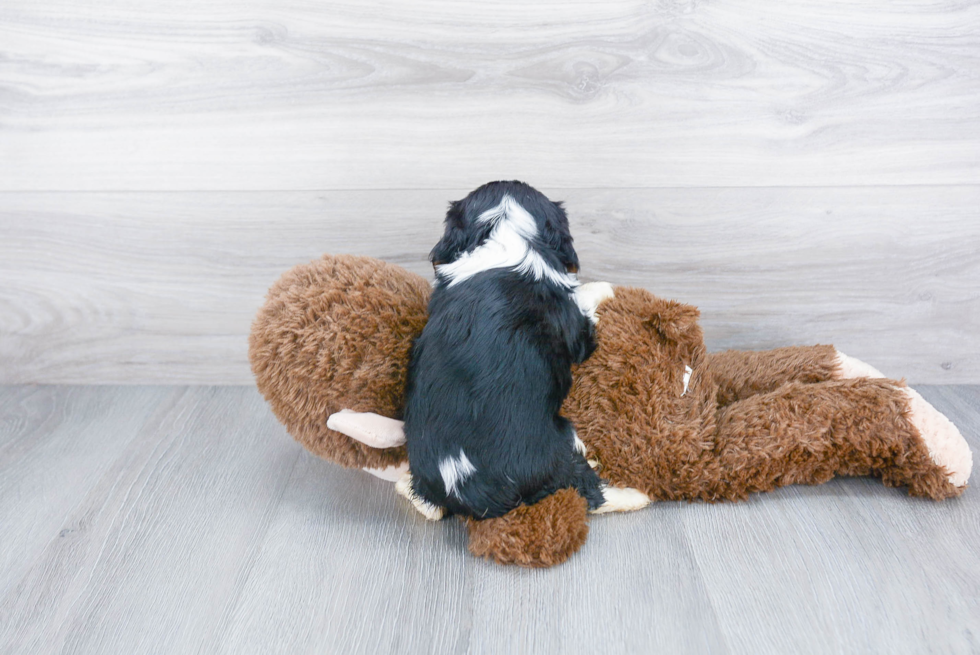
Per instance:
{"type": "Point", "coordinates": [589, 296]}
{"type": "Point", "coordinates": [506, 247]}
{"type": "Point", "coordinates": [579, 444]}
{"type": "Point", "coordinates": [687, 377]}
{"type": "Point", "coordinates": [454, 470]}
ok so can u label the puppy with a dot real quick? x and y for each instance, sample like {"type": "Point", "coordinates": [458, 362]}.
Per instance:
{"type": "Point", "coordinates": [488, 375]}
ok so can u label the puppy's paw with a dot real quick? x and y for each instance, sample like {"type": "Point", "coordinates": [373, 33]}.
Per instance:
{"type": "Point", "coordinates": [426, 509]}
{"type": "Point", "coordinates": [622, 499]}
{"type": "Point", "coordinates": [589, 296]}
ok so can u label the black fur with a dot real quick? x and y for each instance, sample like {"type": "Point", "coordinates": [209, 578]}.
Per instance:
{"type": "Point", "coordinates": [492, 367]}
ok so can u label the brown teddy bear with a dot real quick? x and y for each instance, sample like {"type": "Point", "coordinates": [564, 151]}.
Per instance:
{"type": "Point", "coordinates": [657, 413]}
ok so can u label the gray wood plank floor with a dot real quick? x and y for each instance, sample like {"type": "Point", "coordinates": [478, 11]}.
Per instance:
{"type": "Point", "coordinates": [184, 519]}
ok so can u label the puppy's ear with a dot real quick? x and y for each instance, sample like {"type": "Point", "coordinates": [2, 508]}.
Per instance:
{"type": "Point", "coordinates": [453, 241]}
{"type": "Point", "coordinates": [559, 238]}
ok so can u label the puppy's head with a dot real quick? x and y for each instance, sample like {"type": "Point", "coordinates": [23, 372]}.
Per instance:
{"type": "Point", "coordinates": [512, 207]}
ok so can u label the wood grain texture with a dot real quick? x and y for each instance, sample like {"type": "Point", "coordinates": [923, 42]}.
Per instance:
{"type": "Point", "coordinates": [55, 443]}
{"type": "Point", "coordinates": [383, 580]}
{"type": "Point", "coordinates": [148, 557]}
{"type": "Point", "coordinates": [296, 95]}
{"type": "Point", "coordinates": [162, 287]}
{"type": "Point", "coordinates": [209, 530]}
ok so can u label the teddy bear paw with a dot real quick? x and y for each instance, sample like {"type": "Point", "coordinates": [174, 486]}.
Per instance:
{"type": "Point", "coordinates": [369, 428]}
{"type": "Point", "coordinates": [849, 368]}
{"type": "Point", "coordinates": [943, 440]}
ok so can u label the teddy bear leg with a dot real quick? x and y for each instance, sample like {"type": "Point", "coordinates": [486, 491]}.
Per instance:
{"type": "Point", "coordinates": [741, 374]}
{"type": "Point", "coordinates": [808, 433]}
{"type": "Point", "coordinates": [946, 445]}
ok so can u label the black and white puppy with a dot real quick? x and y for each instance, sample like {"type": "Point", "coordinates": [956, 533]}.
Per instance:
{"type": "Point", "coordinates": [488, 375]}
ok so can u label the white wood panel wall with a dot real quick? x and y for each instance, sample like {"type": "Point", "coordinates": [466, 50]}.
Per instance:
{"type": "Point", "coordinates": [803, 171]}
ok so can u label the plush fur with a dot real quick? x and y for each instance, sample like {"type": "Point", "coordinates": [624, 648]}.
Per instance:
{"type": "Point", "coordinates": [335, 334]}
{"type": "Point", "coordinates": [533, 536]}
{"type": "Point", "coordinates": [749, 422]}
{"type": "Point", "coordinates": [488, 375]}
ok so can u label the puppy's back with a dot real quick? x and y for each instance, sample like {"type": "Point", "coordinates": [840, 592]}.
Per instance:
{"type": "Point", "coordinates": [487, 380]}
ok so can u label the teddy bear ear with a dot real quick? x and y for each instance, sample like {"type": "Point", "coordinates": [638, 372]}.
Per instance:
{"type": "Point", "coordinates": [676, 322]}
{"type": "Point", "coordinates": [537, 536]}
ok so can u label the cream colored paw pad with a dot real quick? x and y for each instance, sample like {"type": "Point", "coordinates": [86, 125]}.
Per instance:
{"type": "Point", "coordinates": [850, 368]}
{"type": "Point", "coordinates": [945, 444]}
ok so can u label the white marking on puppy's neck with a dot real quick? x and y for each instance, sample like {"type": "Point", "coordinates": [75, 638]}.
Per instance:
{"type": "Point", "coordinates": [508, 246]}
{"type": "Point", "coordinates": [454, 470]}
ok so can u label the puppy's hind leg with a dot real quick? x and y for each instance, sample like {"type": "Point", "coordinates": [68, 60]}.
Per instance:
{"type": "Point", "coordinates": [602, 497]}
{"type": "Point", "coordinates": [621, 499]}
{"type": "Point", "coordinates": [426, 509]}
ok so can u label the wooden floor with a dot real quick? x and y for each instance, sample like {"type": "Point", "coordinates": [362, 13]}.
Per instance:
{"type": "Point", "coordinates": [184, 519]}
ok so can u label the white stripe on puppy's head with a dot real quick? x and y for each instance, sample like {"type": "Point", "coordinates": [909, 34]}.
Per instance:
{"type": "Point", "coordinates": [509, 246]}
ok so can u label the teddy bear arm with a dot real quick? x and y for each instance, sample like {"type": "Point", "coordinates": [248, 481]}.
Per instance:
{"type": "Point", "coordinates": [369, 428]}
{"type": "Point", "coordinates": [375, 431]}
{"type": "Point", "coordinates": [808, 433]}
{"type": "Point", "coordinates": [741, 374]}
